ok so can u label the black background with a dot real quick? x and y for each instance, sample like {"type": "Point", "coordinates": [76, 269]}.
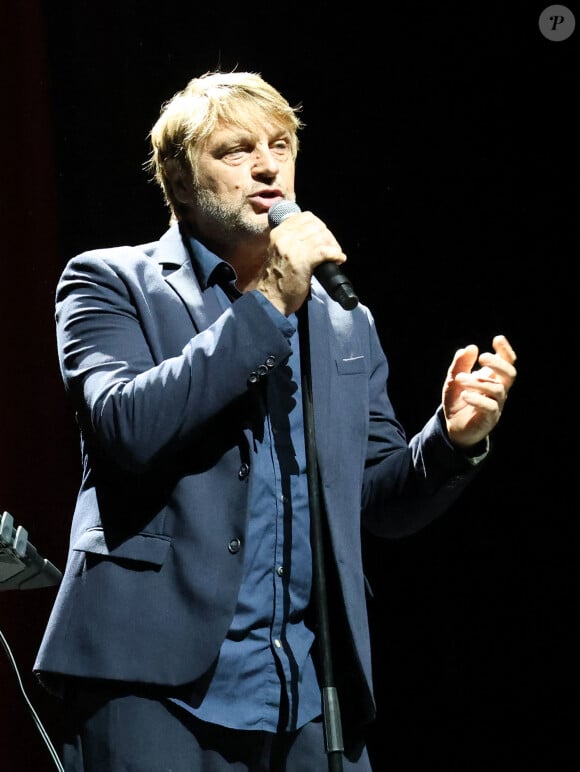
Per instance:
{"type": "Point", "coordinates": [440, 147]}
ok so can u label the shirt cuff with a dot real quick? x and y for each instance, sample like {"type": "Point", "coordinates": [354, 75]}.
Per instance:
{"type": "Point", "coordinates": [281, 321]}
{"type": "Point", "coordinates": [481, 451]}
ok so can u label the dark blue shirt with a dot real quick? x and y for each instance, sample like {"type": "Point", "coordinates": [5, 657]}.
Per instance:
{"type": "Point", "coordinates": [265, 678]}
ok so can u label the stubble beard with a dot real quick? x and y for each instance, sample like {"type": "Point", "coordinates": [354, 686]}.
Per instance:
{"type": "Point", "coordinates": [226, 223]}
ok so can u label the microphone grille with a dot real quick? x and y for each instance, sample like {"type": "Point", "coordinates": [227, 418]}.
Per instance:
{"type": "Point", "coordinates": [281, 210]}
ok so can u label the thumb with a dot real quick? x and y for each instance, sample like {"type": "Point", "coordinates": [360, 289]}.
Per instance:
{"type": "Point", "coordinates": [464, 360]}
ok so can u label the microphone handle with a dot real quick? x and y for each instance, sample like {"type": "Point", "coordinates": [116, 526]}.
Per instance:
{"type": "Point", "coordinates": [329, 274]}
{"type": "Point", "coordinates": [336, 284]}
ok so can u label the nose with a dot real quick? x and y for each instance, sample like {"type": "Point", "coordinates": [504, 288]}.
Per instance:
{"type": "Point", "coordinates": [264, 162]}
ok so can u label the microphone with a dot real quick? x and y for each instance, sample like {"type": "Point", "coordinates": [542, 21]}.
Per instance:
{"type": "Point", "coordinates": [21, 566]}
{"type": "Point", "coordinates": [329, 274]}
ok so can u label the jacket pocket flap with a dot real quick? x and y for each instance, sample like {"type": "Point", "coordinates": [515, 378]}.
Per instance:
{"type": "Point", "coordinates": [147, 547]}
{"type": "Point", "coordinates": [351, 365]}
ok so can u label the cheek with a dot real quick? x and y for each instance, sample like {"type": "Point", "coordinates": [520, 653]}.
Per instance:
{"type": "Point", "coordinates": [224, 186]}
{"type": "Point", "coordinates": [223, 181]}
{"type": "Point", "coordinates": [286, 175]}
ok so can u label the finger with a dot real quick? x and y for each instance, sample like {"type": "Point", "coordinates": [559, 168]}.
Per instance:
{"type": "Point", "coordinates": [463, 360]}
{"type": "Point", "coordinates": [483, 381]}
{"type": "Point", "coordinates": [487, 407]}
{"type": "Point", "coordinates": [486, 373]}
{"type": "Point", "coordinates": [331, 253]}
{"type": "Point", "coordinates": [502, 346]}
{"type": "Point", "coordinates": [502, 367]}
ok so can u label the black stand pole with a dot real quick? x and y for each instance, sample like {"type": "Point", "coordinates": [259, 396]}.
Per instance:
{"type": "Point", "coordinates": [330, 703]}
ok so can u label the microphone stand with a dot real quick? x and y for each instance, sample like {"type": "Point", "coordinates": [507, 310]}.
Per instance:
{"type": "Point", "coordinates": [330, 702]}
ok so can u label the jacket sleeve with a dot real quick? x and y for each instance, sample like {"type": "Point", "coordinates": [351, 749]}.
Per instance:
{"type": "Point", "coordinates": [143, 380]}
{"type": "Point", "coordinates": [406, 484]}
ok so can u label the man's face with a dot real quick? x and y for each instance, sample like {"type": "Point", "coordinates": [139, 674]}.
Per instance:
{"type": "Point", "coordinates": [241, 173]}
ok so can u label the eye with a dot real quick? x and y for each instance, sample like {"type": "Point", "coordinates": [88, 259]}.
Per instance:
{"type": "Point", "coordinates": [235, 154]}
{"type": "Point", "coordinates": [280, 147]}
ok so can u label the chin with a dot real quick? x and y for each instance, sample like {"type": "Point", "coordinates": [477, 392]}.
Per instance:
{"type": "Point", "coordinates": [256, 226]}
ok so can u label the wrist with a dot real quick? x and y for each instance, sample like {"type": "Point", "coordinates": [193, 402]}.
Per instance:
{"type": "Point", "coordinates": [475, 454]}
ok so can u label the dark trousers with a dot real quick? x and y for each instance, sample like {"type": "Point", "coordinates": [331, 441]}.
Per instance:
{"type": "Point", "coordinates": [141, 733]}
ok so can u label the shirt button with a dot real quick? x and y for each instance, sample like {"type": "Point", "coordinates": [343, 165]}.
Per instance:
{"type": "Point", "coordinates": [277, 643]}
{"type": "Point", "coordinates": [234, 546]}
{"type": "Point", "coordinates": [280, 570]}
{"type": "Point", "coordinates": [244, 471]}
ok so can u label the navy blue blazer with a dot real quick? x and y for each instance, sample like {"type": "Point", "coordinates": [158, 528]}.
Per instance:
{"type": "Point", "coordinates": [162, 383]}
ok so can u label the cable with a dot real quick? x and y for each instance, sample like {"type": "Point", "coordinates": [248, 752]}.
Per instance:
{"type": "Point", "coordinates": [34, 714]}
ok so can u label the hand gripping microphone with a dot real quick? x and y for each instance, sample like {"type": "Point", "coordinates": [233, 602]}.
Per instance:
{"type": "Point", "coordinates": [329, 274]}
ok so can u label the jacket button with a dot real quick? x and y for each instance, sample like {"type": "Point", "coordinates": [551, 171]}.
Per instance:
{"type": "Point", "coordinates": [262, 370]}
{"type": "Point", "coordinates": [234, 546]}
{"type": "Point", "coordinates": [243, 471]}
{"type": "Point", "coordinates": [253, 377]}
{"type": "Point", "coordinates": [270, 361]}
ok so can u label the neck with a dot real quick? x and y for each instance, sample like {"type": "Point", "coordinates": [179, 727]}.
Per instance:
{"type": "Point", "coordinates": [246, 255]}
{"type": "Point", "coordinates": [247, 259]}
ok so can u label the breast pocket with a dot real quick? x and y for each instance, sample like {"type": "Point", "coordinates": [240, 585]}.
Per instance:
{"type": "Point", "coordinates": [351, 365]}
{"type": "Point", "coordinates": [342, 435]}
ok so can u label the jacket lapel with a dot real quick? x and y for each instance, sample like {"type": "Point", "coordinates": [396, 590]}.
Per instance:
{"type": "Point", "coordinates": [321, 361]}
{"type": "Point", "coordinates": [178, 272]}
{"type": "Point", "coordinates": [335, 351]}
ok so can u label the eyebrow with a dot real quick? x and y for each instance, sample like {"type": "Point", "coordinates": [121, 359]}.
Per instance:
{"type": "Point", "coordinates": [242, 132]}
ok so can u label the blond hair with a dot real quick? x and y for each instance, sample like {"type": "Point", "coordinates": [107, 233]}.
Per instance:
{"type": "Point", "coordinates": [192, 114]}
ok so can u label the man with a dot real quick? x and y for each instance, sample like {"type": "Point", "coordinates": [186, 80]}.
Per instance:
{"type": "Point", "coordinates": [185, 635]}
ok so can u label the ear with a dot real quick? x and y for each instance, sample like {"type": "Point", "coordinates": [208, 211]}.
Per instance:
{"type": "Point", "coordinates": [180, 181]}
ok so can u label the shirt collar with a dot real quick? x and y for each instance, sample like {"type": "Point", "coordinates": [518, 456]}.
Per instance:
{"type": "Point", "coordinates": [208, 267]}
